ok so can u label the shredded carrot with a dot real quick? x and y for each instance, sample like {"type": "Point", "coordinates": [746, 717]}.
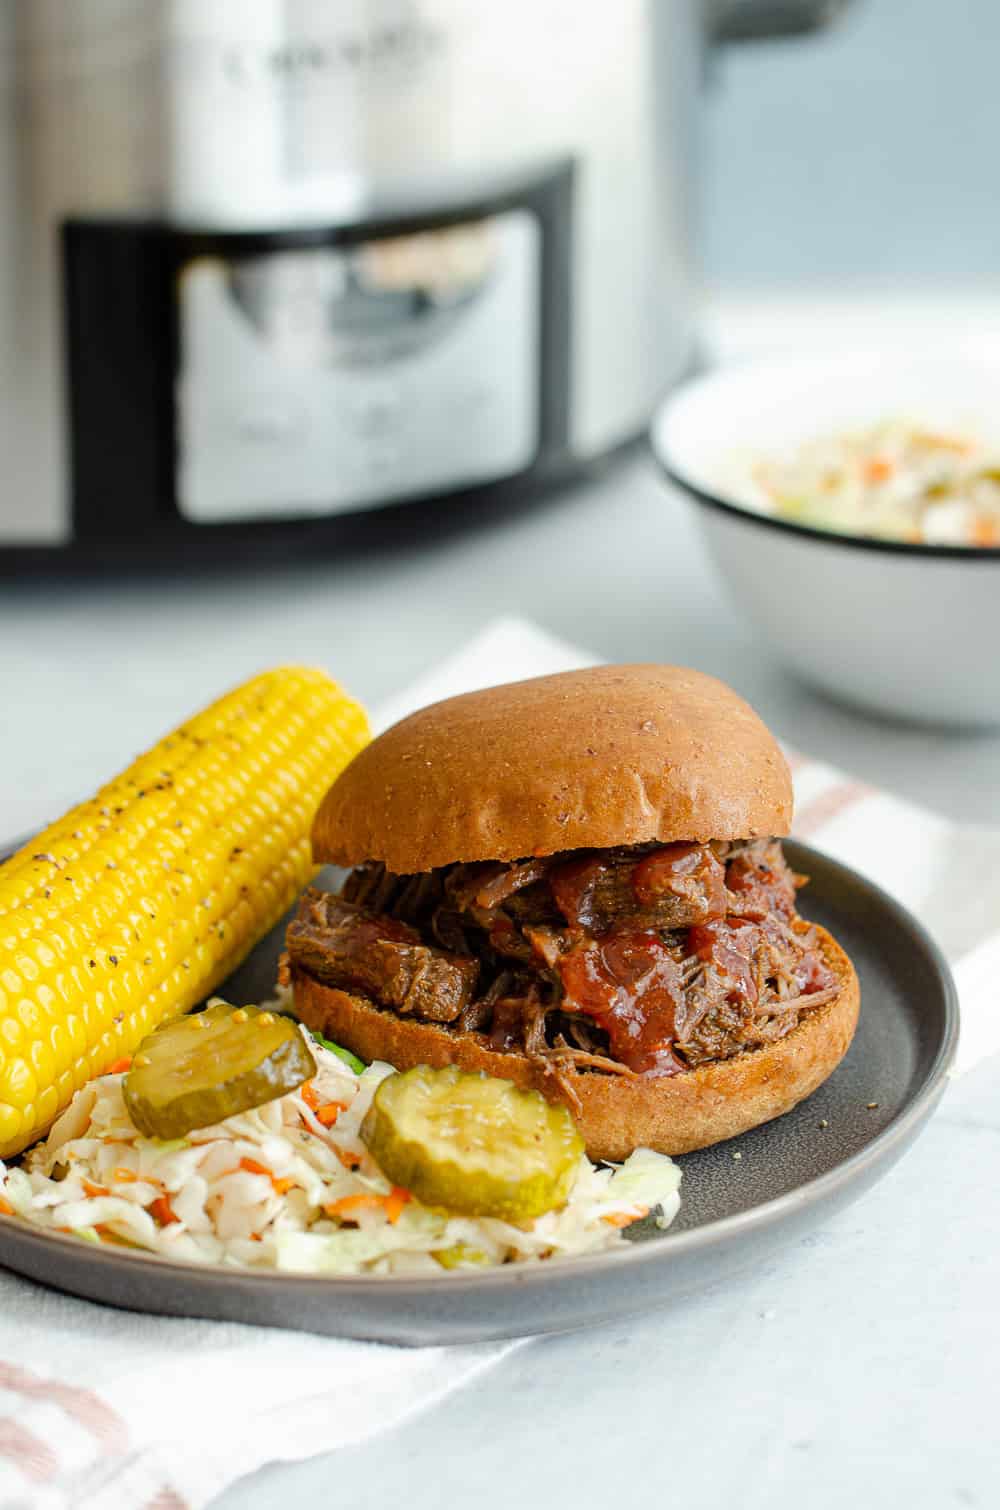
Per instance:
{"type": "Point", "coordinates": [625, 1218]}
{"type": "Point", "coordinates": [395, 1201]}
{"type": "Point", "coordinates": [252, 1167]}
{"type": "Point", "coordinates": [392, 1204]}
{"type": "Point", "coordinates": [89, 1188]}
{"type": "Point", "coordinates": [163, 1211]}
{"type": "Point", "coordinates": [129, 1177]}
{"type": "Point", "coordinates": [878, 469]}
{"type": "Point", "coordinates": [5, 1207]}
{"type": "Point", "coordinates": [349, 1203]}
{"type": "Point", "coordinates": [120, 1065]}
{"type": "Point", "coordinates": [349, 1160]}
{"type": "Point", "coordinates": [325, 1112]}
{"type": "Point", "coordinates": [328, 1114]}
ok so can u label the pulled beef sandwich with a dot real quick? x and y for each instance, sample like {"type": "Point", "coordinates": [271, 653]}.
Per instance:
{"type": "Point", "coordinates": [577, 883]}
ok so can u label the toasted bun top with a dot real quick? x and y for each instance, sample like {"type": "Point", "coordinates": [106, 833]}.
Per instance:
{"type": "Point", "coordinates": [587, 759]}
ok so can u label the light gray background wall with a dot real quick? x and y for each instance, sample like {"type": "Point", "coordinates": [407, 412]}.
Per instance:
{"type": "Point", "coordinates": [868, 155]}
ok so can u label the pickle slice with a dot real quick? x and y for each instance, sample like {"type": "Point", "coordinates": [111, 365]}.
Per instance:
{"type": "Point", "coordinates": [473, 1144]}
{"type": "Point", "coordinates": [201, 1069]}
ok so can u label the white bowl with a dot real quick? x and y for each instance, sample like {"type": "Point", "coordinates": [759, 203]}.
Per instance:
{"type": "Point", "coordinates": [912, 631]}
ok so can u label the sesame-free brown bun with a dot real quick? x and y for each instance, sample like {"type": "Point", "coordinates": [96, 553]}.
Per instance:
{"type": "Point", "coordinates": [614, 755]}
{"type": "Point", "coordinates": [615, 1113]}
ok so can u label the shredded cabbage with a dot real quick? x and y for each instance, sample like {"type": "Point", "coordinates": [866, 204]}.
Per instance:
{"type": "Point", "coordinates": [290, 1186]}
{"type": "Point", "coordinates": [897, 480]}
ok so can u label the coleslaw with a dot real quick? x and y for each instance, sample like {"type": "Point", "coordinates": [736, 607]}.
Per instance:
{"type": "Point", "coordinates": [897, 480]}
{"type": "Point", "coordinates": [291, 1186]}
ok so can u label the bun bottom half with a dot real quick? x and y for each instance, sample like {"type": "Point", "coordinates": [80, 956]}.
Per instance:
{"type": "Point", "coordinates": [616, 1114]}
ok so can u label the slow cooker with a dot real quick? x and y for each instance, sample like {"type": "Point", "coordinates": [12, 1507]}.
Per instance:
{"type": "Point", "coordinates": [266, 262]}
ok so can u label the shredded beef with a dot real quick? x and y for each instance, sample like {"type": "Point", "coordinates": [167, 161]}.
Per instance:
{"type": "Point", "coordinates": [491, 884]}
{"type": "Point", "coordinates": [759, 881]}
{"type": "Point", "coordinates": [672, 886]}
{"type": "Point", "coordinates": [648, 960]}
{"type": "Point", "coordinates": [347, 946]}
{"type": "Point", "coordinates": [748, 984]}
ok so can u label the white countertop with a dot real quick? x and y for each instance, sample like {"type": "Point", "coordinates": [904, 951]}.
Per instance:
{"type": "Point", "coordinates": [859, 1365]}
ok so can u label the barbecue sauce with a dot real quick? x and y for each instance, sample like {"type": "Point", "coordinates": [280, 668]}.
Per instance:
{"type": "Point", "coordinates": [573, 886]}
{"type": "Point", "coordinates": [690, 871]}
{"type": "Point", "coordinates": [630, 984]}
{"type": "Point", "coordinates": [627, 979]}
{"type": "Point", "coordinates": [728, 947]}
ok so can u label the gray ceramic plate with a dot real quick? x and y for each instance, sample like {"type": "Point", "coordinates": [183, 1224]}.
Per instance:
{"type": "Point", "coordinates": [789, 1176]}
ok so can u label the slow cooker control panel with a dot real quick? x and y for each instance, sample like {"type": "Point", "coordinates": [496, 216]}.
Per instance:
{"type": "Point", "coordinates": [324, 378]}
{"type": "Point", "coordinates": [268, 376]}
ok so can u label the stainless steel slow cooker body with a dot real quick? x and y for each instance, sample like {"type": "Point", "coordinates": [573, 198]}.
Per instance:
{"type": "Point", "coordinates": [280, 260]}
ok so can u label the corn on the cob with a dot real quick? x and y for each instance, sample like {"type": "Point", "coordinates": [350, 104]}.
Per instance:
{"type": "Point", "coordinates": [131, 908]}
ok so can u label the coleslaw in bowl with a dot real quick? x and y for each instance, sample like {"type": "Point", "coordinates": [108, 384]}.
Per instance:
{"type": "Point", "coordinates": [897, 479]}
{"type": "Point", "coordinates": [859, 552]}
